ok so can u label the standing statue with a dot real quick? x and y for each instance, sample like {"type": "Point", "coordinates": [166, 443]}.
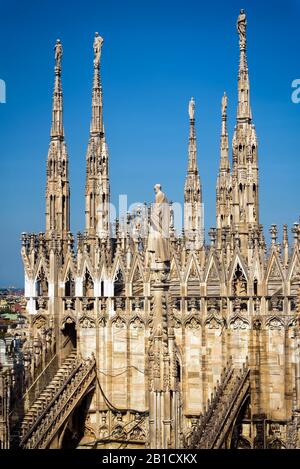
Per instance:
{"type": "Point", "coordinates": [224, 104]}
{"type": "Point", "coordinates": [192, 108]}
{"type": "Point", "coordinates": [98, 41]}
{"type": "Point", "coordinates": [158, 241]}
{"type": "Point", "coordinates": [241, 28]}
{"type": "Point", "coordinates": [58, 51]}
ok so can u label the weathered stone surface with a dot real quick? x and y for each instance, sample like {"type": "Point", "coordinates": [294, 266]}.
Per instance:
{"type": "Point", "coordinates": [169, 335]}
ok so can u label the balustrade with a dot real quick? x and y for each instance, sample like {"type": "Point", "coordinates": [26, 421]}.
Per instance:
{"type": "Point", "coordinates": [209, 431]}
{"type": "Point", "coordinates": [60, 405]}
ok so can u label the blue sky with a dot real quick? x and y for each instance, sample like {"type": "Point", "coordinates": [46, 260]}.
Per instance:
{"type": "Point", "coordinates": [156, 55]}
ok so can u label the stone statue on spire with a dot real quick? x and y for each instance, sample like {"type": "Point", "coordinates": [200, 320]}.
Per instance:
{"type": "Point", "coordinates": [192, 108]}
{"type": "Point", "coordinates": [58, 52]}
{"type": "Point", "coordinates": [98, 41]}
{"type": "Point", "coordinates": [224, 104]}
{"type": "Point", "coordinates": [158, 240]}
{"type": "Point", "coordinates": [241, 28]}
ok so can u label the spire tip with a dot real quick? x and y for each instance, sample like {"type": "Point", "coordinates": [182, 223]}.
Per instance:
{"type": "Point", "coordinates": [224, 104]}
{"type": "Point", "coordinates": [241, 28]}
{"type": "Point", "coordinates": [98, 41]}
{"type": "Point", "coordinates": [58, 52]}
{"type": "Point", "coordinates": [192, 108]}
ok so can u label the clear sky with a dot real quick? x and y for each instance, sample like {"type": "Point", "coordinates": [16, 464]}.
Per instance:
{"type": "Point", "coordinates": [156, 55]}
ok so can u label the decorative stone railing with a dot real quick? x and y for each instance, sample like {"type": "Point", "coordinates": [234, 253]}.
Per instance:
{"type": "Point", "coordinates": [38, 365]}
{"type": "Point", "coordinates": [77, 307]}
{"type": "Point", "coordinates": [41, 380]}
{"type": "Point", "coordinates": [60, 406]}
{"type": "Point", "coordinates": [45, 399]}
{"type": "Point", "coordinates": [215, 423]}
{"type": "Point", "coordinates": [129, 305]}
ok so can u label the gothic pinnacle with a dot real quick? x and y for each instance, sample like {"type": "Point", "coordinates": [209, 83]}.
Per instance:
{"type": "Point", "coordinates": [57, 107]}
{"type": "Point", "coordinates": [244, 110]}
{"type": "Point", "coordinates": [97, 178]}
{"type": "Point", "coordinates": [57, 185]}
{"type": "Point", "coordinates": [223, 195]}
{"type": "Point", "coordinates": [192, 108]}
{"type": "Point", "coordinates": [224, 113]}
{"type": "Point", "coordinates": [192, 162]}
{"type": "Point", "coordinates": [224, 162]}
{"type": "Point", "coordinates": [96, 123]}
{"type": "Point", "coordinates": [193, 216]}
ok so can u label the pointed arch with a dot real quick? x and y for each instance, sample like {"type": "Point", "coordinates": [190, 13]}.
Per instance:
{"type": "Point", "coordinates": [239, 285]}
{"type": "Point", "coordinates": [238, 259]}
{"type": "Point", "coordinates": [68, 266]}
{"type": "Point", "coordinates": [274, 275]}
{"type": "Point", "coordinates": [86, 265]}
{"type": "Point", "coordinates": [275, 323]}
{"type": "Point", "coordinates": [119, 283]}
{"type": "Point", "coordinates": [212, 277]}
{"type": "Point", "coordinates": [239, 322]}
{"type": "Point", "coordinates": [236, 439]}
{"type": "Point", "coordinates": [136, 278]}
{"type": "Point", "coordinates": [294, 274]}
{"type": "Point", "coordinates": [192, 277]}
{"type": "Point", "coordinates": [41, 263]}
{"type": "Point", "coordinates": [214, 321]}
{"type": "Point", "coordinates": [118, 264]}
{"type": "Point", "coordinates": [41, 283]}
{"type": "Point", "coordinates": [102, 277]}
{"type": "Point", "coordinates": [276, 443]}
{"type": "Point", "coordinates": [175, 278]}
{"type": "Point", "coordinates": [238, 275]}
{"type": "Point", "coordinates": [69, 284]}
{"type": "Point", "coordinates": [68, 318]}
{"type": "Point", "coordinates": [119, 277]}
{"type": "Point", "coordinates": [87, 284]}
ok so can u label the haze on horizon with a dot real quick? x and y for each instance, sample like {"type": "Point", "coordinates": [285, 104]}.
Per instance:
{"type": "Point", "coordinates": [154, 58]}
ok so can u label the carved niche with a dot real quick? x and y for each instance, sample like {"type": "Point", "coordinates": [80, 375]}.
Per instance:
{"type": "Point", "coordinates": [275, 324]}
{"type": "Point", "coordinates": [86, 322]}
{"type": "Point", "coordinates": [239, 323]}
{"type": "Point", "coordinates": [239, 282]}
{"type": "Point", "coordinates": [193, 323]}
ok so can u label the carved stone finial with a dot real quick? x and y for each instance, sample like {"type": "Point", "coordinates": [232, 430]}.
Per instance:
{"type": "Point", "coordinates": [24, 239]}
{"type": "Point", "coordinates": [223, 235]}
{"type": "Point", "coordinates": [117, 228]}
{"type": "Point", "coordinates": [273, 233]}
{"type": "Point", "coordinates": [237, 239]}
{"type": "Point", "coordinates": [70, 241]}
{"type": "Point", "coordinates": [212, 235]}
{"type": "Point", "coordinates": [285, 234]}
{"type": "Point", "coordinates": [295, 231]}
